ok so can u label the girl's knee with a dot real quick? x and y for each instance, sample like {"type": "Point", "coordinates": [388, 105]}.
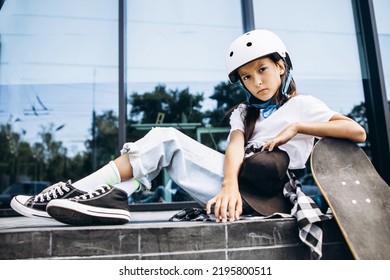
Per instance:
{"type": "Point", "coordinates": [163, 133]}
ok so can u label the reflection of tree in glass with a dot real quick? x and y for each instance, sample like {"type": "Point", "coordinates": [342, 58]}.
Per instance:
{"type": "Point", "coordinates": [47, 159]}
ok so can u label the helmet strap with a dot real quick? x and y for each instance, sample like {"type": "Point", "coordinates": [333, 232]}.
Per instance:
{"type": "Point", "coordinates": [287, 82]}
{"type": "Point", "coordinates": [288, 79]}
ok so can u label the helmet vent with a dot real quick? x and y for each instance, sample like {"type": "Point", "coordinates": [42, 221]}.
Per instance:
{"type": "Point", "coordinates": [249, 44]}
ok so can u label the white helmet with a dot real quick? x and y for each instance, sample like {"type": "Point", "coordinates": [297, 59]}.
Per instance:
{"type": "Point", "coordinates": [253, 45]}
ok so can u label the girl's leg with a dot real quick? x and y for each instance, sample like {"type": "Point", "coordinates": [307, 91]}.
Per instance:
{"type": "Point", "coordinates": [108, 174]}
{"type": "Point", "coordinates": [124, 168]}
{"type": "Point", "coordinates": [116, 173]}
{"type": "Point", "coordinates": [193, 166]}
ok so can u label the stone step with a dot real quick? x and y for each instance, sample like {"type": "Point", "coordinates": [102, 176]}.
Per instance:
{"type": "Point", "coordinates": [150, 236]}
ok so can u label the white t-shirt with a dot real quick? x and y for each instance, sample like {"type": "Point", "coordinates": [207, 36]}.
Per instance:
{"type": "Point", "coordinates": [301, 108]}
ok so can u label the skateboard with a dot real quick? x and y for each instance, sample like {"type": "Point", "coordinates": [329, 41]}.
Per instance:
{"type": "Point", "coordinates": [358, 197]}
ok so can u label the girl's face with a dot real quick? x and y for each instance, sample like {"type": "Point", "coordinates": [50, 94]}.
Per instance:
{"type": "Point", "coordinates": [262, 77]}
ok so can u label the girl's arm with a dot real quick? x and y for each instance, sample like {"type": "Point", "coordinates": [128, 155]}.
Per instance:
{"type": "Point", "coordinates": [229, 198]}
{"type": "Point", "coordinates": [338, 126]}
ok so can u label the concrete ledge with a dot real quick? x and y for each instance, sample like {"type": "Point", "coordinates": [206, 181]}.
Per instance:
{"type": "Point", "coordinates": [151, 236]}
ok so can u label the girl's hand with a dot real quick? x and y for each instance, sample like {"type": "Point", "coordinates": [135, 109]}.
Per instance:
{"type": "Point", "coordinates": [227, 201]}
{"type": "Point", "coordinates": [282, 138]}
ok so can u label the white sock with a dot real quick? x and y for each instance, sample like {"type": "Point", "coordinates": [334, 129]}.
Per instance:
{"type": "Point", "coordinates": [108, 174]}
{"type": "Point", "coordinates": [128, 186]}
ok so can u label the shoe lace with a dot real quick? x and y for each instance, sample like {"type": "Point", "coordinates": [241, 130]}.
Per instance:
{"type": "Point", "coordinates": [53, 192]}
{"type": "Point", "coordinates": [98, 191]}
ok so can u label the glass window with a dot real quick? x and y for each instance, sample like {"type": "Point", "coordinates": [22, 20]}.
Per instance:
{"type": "Point", "coordinates": [321, 39]}
{"type": "Point", "coordinates": [381, 8]}
{"type": "Point", "coordinates": [179, 45]}
{"type": "Point", "coordinates": [58, 62]}
{"type": "Point", "coordinates": [179, 42]}
{"type": "Point", "coordinates": [58, 65]}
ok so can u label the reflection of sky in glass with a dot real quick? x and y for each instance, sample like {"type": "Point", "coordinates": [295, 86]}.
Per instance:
{"type": "Point", "coordinates": [319, 34]}
{"type": "Point", "coordinates": [47, 41]}
{"type": "Point", "coordinates": [53, 52]}
{"type": "Point", "coordinates": [187, 42]}
{"type": "Point", "coordinates": [382, 8]}
{"type": "Point", "coordinates": [66, 57]}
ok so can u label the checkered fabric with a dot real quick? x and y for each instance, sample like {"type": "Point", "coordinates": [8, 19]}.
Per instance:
{"type": "Point", "coordinates": [192, 214]}
{"type": "Point", "coordinates": [304, 209]}
{"type": "Point", "coordinates": [308, 215]}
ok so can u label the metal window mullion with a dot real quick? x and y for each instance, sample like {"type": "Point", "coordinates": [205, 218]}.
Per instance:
{"type": "Point", "coordinates": [248, 17]}
{"type": "Point", "coordinates": [122, 79]}
{"type": "Point", "coordinates": [374, 86]}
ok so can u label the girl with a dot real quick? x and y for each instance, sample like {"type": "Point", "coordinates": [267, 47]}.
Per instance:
{"type": "Point", "coordinates": [271, 132]}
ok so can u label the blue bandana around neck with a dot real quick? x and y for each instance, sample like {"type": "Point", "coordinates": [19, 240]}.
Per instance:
{"type": "Point", "coordinates": [266, 107]}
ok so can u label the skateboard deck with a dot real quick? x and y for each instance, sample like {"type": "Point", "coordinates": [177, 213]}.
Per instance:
{"type": "Point", "coordinates": [358, 197]}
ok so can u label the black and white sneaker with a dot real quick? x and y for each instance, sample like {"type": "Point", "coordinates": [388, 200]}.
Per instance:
{"type": "Point", "coordinates": [35, 206]}
{"type": "Point", "coordinates": [104, 206]}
